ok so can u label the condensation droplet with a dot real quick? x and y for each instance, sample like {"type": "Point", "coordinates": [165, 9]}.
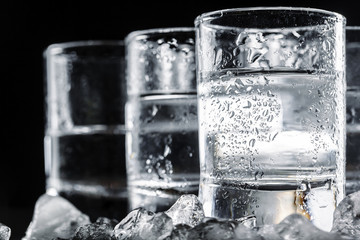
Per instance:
{"type": "Point", "coordinates": [225, 195]}
{"type": "Point", "coordinates": [239, 84]}
{"type": "Point", "coordinates": [248, 89]}
{"type": "Point", "coordinates": [270, 94]}
{"type": "Point", "coordinates": [236, 51]}
{"type": "Point", "coordinates": [241, 39]}
{"type": "Point", "coordinates": [167, 150]}
{"type": "Point", "coordinates": [260, 37]}
{"type": "Point", "coordinates": [253, 55]}
{"type": "Point", "coordinates": [218, 56]}
{"type": "Point", "coordinates": [259, 175]}
{"type": "Point", "coordinates": [252, 143]}
{"type": "Point", "coordinates": [248, 105]}
{"type": "Point", "coordinates": [154, 111]}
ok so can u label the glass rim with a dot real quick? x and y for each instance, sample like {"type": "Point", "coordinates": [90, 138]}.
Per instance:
{"type": "Point", "coordinates": [205, 17]}
{"type": "Point", "coordinates": [142, 34]}
{"type": "Point", "coordinates": [58, 48]}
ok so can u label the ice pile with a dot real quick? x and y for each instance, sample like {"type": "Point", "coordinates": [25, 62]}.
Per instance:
{"type": "Point", "coordinates": [56, 219]}
{"type": "Point", "coordinates": [347, 216]}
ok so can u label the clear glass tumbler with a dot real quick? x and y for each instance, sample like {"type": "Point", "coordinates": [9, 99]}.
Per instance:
{"type": "Point", "coordinates": [271, 108]}
{"type": "Point", "coordinates": [161, 116]}
{"type": "Point", "coordinates": [85, 125]}
{"type": "Point", "coordinates": [352, 109]}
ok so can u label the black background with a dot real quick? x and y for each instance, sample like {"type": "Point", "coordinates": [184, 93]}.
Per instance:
{"type": "Point", "coordinates": [28, 27]}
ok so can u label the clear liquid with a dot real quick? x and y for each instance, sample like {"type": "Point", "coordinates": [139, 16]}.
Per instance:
{"type": "Point", "coordinates": [269, 134]}
{"type": "Point", "coordinates": [352, 140]}
{"type": "Point", "coordinates": [87, 164]}
{"type": "Point", "coordinates": [271, 203]}
{"type": "Point", "coordinates": [162, 144]}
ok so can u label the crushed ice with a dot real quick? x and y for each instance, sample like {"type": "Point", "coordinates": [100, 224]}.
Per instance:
{"type": "Point", "coordinates": [57, 219]}
{"type": "Point", "coordinates": [5, 232]}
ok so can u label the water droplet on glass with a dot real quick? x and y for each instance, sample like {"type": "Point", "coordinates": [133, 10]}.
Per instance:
{"type": "Point", "coordinates": [232, 113]}
{"type": "Point", "coordinates": [248, 105]}
{"type": "Point", "coordinates": [270, 94]}
{"type": "Point", "coordinates": [273, 138]}
{"type": "Point", "coordinates": [296, 34]}
{"type": "Point", "coordinates": [259, 175]}
{"type": "Point", "coordinates": [167, 150]}
{"type": "Point", "coordinates": [249, 81]}
{"type": "Point", "coordinates": [236, 51]}
{"type": "Point", "coordinates": [301, 40]}
{"type": "Point", "coordinates": [241, 39]}
{"type": "Point", "coordinates": [248, 89]}
{"type": "Point", "coordinates": [252, 143]}
{"type": "Point", "coordinates": [239, 84]}
{"type": "Point", "coordinates": [218, 56]}
{"type": "Point", "coordinates": [253, 55]}
{"type": "Point", "coordinates": [260, 37]}
{"type": "Point", "coordinates": [160, 41]}
{"type": "Point", "coordinates": [264, 64]}
{"type": "Point", "coordinates": [225, 195]}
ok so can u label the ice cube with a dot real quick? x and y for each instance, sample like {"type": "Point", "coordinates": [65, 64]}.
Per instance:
{"type": "Point", "coordinates": [54, 217]}
{"type": "Point", "coordinates": [347, 216]}
{"type": "Point", "coordinates": [268, 232]}
{"type": "Point", "coordinates": [103, 229]}
{"type": "Point", "coordinates": [296, 227]}
{"type": "Point", "coordinates": [142, 224]}
{"type": "Point", "coordinates": [186, 210]}
{"type": "Point", "coordinates": [247, 221]}
{"type": "Point", "coordinates": [215, 229]}
{"type": "Point", "coordinates": [110, 222]}
{"type": "Point", "coordinates": [180, 232]}
{"type": "Point", "coordinates": [5, 232]}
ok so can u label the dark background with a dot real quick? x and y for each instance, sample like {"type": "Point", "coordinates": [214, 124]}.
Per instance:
{"type": "Point", "coordinates": [28, 27]}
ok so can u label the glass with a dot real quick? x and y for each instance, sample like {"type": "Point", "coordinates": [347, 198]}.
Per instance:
{"type": "Point", "coordinates": [85, 129]}
{"type": "Point", "coordinates": [161, 116]}
{"type": "Point", "coordinates": [271, 108]}
{"type": "Point", "coordinates": [352, 109]}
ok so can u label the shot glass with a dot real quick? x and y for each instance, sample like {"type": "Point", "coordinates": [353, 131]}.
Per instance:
{"type": "Point", "coordinates": [271, 109]}
{"type": "Point", "coordinates": [85, 129]}
{"type": "Point", "coordinates": [161, 117]}
{"type": "Point", "coordinates": [352, 109]}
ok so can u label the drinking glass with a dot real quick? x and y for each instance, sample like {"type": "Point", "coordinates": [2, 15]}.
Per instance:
{"type": "Point", "coordinates": [85, 130]}
{"type": "Point", "coordinates": [161, 117]}
{"type": "Point", "coordinates": [352, 109]}
{"type": "Point", "coordinates": [271, 109]}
